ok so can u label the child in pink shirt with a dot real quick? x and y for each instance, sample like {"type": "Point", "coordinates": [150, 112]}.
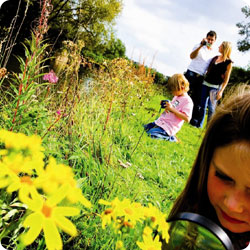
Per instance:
{"type": "Point", "coordinates": [176, 112]}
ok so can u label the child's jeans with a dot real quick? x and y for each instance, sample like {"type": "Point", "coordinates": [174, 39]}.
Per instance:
{"type": "Point", "coordinates": [157, 132]}
{"type": "Point", "coordinates": [150, 125]}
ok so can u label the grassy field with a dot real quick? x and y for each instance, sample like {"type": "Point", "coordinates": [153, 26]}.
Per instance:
{"type": "Point", "coordinates": [95, 126]}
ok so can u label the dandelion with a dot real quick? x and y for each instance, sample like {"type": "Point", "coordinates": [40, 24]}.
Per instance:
{"type": "Point", "coordinates": [51, 77]}
{"type": "Point", "coordinates": [48, 217]}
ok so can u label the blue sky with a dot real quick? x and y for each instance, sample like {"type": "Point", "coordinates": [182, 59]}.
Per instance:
{"type": "Point", "coordinates": [162, 33]}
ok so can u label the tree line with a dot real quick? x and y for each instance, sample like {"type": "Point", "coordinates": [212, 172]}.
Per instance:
{"type": "Point", "coordinates": [91, 21]}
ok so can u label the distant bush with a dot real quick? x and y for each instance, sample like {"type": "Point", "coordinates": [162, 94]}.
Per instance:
{"type": "Point", "coordinates": [239, 75]}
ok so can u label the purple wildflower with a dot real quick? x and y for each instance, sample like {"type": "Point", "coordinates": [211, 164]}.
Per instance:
{"type": "Point", "coordinates": [51, 77]}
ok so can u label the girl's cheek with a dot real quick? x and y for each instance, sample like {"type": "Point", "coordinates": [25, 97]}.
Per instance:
{"type": "Point", "coordinates": [215, 189]}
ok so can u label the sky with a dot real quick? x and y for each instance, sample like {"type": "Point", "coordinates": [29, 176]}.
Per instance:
{"type": "Point", "coordinates": [162, 33]}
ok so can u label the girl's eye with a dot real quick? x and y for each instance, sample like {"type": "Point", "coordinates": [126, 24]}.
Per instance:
{"type": "Point", "coordinates": [222, 176]}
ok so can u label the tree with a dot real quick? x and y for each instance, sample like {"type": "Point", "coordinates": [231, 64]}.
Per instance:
{"type": "Point", "coordinates": [88, 20]}
{"type": "Point", "coordinates": [92, 22]}
{"type": "Point", "coordinates": [95, 19]}
{"type": "Point", "coordinates": [239, 76]}
{"type": "Point", "coordinates": [244, 30]}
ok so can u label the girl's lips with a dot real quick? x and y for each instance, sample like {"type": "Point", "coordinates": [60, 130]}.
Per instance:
{"type": "Point", "coordinates": [230, 219]}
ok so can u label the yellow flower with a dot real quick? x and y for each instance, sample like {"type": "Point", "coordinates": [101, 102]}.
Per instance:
{"type": "Point", "coordinates": [16, 164]}
{"type": "Point", "coordinates": [48, 217]}
{"type": "Point", "coordinates": [57, 175]}
{"type": "Point", "coordinates": [107, 216]}
{"type": "Point", "coordinates": [20, 141]}
{"type": "Point", "coordinates": [119, 244]}
{"type": "Point", "coordinates": [27, 149]}
{"type": "Point", "coordinates": [130, 212]}
{"type": "Point", "coordinates": [158, 220]}
{"type": "Point", "coordinates": [15, 175]}
{"type": "Point", "coordinates": [10, 169]}
{"type": "Point", "coordinates": [147, 231]}
{"type": "Point", "coordinates": [149, 243]}
{"type": "Point", "coordinates": [163, 227]}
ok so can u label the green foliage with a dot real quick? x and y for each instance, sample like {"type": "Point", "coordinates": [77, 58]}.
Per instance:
{"type": "Point", "coordinates": [244, 30]}
{"type": "Point", "coordinates": [110, 50]}
{"type": "Point", "coordinates": [88, 20]}
{"type": "Point", "coordinates": [22, 108]}
{"type": "Point", "coordinates": [160, 78]}
{"type": "Point", "coordinates": [239, 76]}
{"type": "Point", "coordinates": [114, 49]}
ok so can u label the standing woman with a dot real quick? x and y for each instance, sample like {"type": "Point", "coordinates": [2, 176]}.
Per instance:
{"type": "Point", "coordinates": [216, 80]}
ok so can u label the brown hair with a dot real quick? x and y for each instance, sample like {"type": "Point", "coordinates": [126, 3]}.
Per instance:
{"type": "Point", "coordinates": [229, 124]}
{"type": "Point", "coordinates": [177, 82]}
{"type": "Point", "coordinates": [212, 33]}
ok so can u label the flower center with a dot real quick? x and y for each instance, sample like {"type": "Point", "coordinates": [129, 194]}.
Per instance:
{"type": "Point", "coordinates": [26, 179]}
{"type": "Point", "coordinates": [108, 211]}
{"type": "Point", "coordinates": [128, 211]}
{"type": "Point", "coordinates": [46, 211]}
{"type": "Point", "coordinates": [153, 219]}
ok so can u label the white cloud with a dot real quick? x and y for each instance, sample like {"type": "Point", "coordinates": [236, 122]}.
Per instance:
{"type": "Point", "coordinates": [164, 32]}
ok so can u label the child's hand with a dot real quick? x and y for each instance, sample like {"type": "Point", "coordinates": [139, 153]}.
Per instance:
{"type": "Point", "coordinates": [168, 107]}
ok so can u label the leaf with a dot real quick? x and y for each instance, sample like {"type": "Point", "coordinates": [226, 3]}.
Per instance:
{"type": "Point", "coordinates": [10, 214]}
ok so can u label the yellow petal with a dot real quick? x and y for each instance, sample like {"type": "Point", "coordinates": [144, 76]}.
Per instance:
{"type": "Point", "coordinates": [3, 152]}
{"type": "Point", "coordinates": [66, 211]}
{"type": "Point", "coordinates": [52, 237]}
{"type": "Point", "coordinates": [58, 196]}
{"type": "Point", "coordinates": [103, 202]}
{"type": "Point", "coordinates": [66, 225]}
{"type": "Point", "coordinates": [85, 202]}
{"type": "Point", "coordinates": [13, 187]}
{"type": "Point", "coordinates": [34, 222]}
{"type": "Point", "coordinates": [34, 204]}
{"type": "Point", "coordinates": [4, 182]}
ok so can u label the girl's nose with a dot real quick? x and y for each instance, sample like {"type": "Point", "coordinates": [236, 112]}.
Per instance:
{"type": "Point", "coordinates": [233, 203]}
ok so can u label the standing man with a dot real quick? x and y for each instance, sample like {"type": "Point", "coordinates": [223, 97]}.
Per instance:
{"type": "Point", "coordinates": [201, 56]}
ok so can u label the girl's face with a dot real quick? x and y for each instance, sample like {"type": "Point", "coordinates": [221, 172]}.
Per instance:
{"type": "Point", "coordinates": [228, 186]}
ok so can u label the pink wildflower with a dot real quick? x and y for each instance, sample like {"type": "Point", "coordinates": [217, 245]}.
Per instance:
{"type": "Point", "coordinates": [51, 77]}
{"type": "Point", "coordinates": [58, 112]}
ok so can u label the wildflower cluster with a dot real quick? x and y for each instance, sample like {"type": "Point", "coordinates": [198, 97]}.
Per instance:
{"type": "Point", "coordinates": [128, 214]}
{"type": "Point", "coordinates": [50, 77]}
{"type": "Point", "coordinates": [40, 188]}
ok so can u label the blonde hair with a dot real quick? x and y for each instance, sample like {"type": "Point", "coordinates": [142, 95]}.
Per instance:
{"type": "Point", "coordinates": [227, 49]}
{"type": "Point", "coordinates": [178, 82]}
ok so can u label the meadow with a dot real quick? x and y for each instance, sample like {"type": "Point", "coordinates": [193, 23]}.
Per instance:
{"type": "Point", "coordinates": [73, 136]}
